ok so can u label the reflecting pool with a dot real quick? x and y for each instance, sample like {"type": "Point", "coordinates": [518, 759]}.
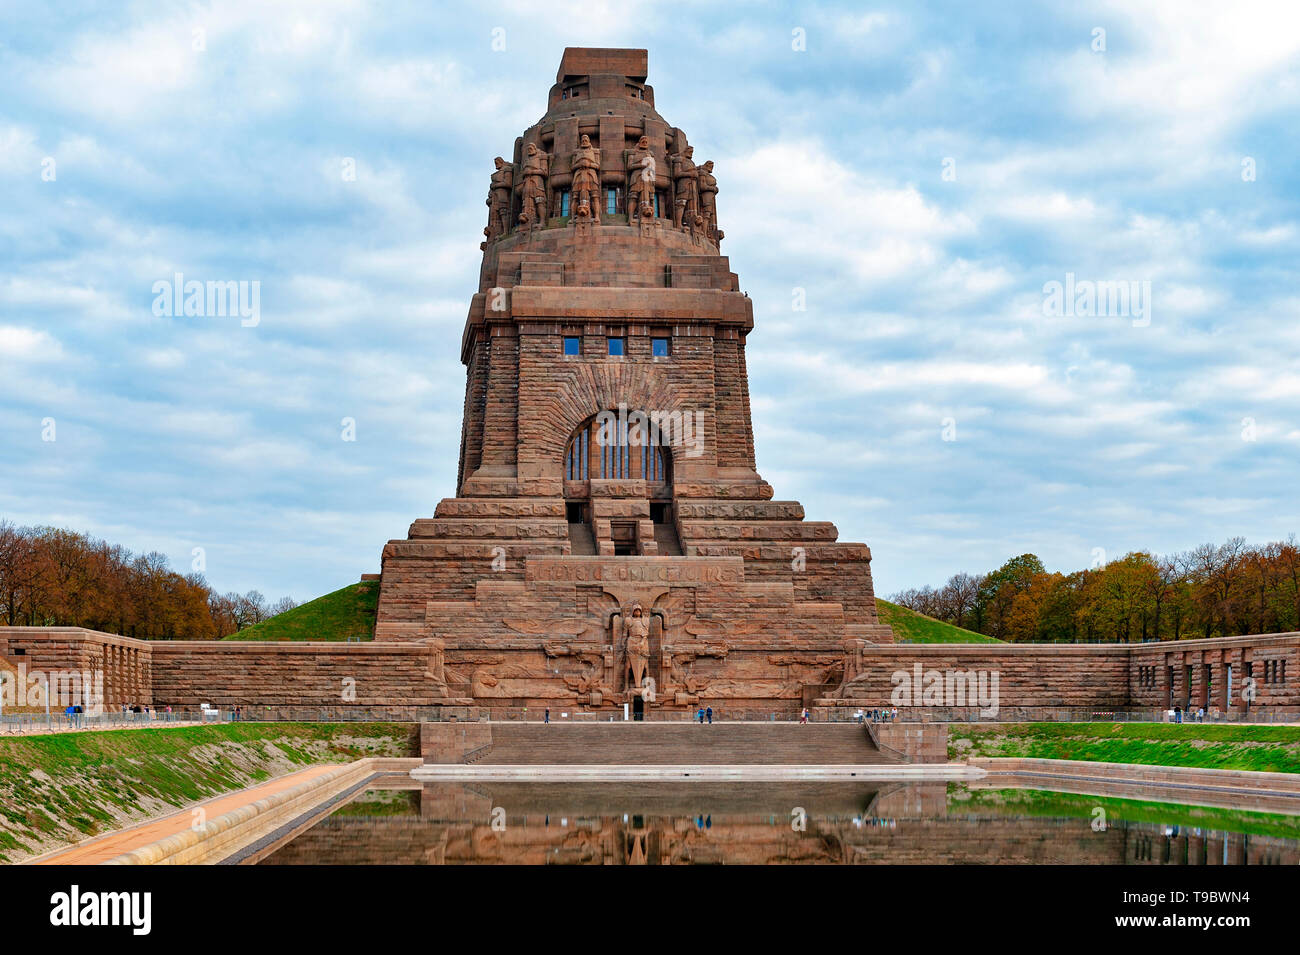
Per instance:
{"type": "Point", "coordinates": [398, 820]}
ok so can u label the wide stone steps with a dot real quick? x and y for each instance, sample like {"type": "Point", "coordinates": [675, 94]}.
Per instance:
{"type": "Point", "coordinates": [651, 743]}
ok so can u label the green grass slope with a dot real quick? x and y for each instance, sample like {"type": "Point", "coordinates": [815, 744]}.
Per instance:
{"type": "Point", "coordinates": [346, 613]}
{"type": "Point", "coordinates": [912, 627]}
{"type": "Point", "coordinates": [60, 788]}
{"type": "Point", "coordinates": [1273, 749]}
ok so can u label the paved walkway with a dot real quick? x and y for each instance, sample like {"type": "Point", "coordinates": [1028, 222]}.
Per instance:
{"type": "Point", "coordinates": [110, 846]}
{"type": "Point", "coordinates": [12, 731]}
{"type": "Point", "coordinates": [570, 771]}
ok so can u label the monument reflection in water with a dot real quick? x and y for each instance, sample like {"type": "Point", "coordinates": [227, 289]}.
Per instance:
{"type": "Point", "coordinates": [671, 823]}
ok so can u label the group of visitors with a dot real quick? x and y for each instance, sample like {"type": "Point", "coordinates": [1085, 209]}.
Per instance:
{"type": "Point", "coordinates": [886, 714]}
{"type": "Point", "coordinates": [704, 712]}
{"type": "Point", "coordinates": [1193, 716]}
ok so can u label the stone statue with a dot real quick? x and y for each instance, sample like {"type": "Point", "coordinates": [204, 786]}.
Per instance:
{"type": "Point", "coordinates": [708, 192]}
{"type": "Point", "coordinates": [498, 200]}
{"type": "Point", "coordinates": [686, 188]}
{"type": "Point", "coordinates": [585, 191]}
{"type": "Point", "coordinates": [532, 193]}
{"type": "Point", "coordinates": [641, 181]}
{"type": "Point", "coordinates": [637, 629]}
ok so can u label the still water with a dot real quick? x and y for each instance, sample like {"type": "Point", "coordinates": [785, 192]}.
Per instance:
{"type": "Point", "coordinates": [401, 821]}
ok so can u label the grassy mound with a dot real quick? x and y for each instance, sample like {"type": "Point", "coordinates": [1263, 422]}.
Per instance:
{"type": "Point", "coordinates": [64, 787]}
{"type": "Point", "coordinates": [912, 627]}
{"type": "Point", "coordinates": [1273, 749]}
{"type": "Point", "coordinates": [348, 613]}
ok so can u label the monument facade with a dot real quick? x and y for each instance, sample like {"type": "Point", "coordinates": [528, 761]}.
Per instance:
{"type": "Point", "coordinates": [611, 540]}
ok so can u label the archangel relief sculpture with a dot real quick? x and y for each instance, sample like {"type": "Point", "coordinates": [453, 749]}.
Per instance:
{"type": "Point", "coordinates": [637, 630]}
{"type": "Point", "coordinates": [532, 193]}
{"type": "Point", "coordinates": [585, 190]}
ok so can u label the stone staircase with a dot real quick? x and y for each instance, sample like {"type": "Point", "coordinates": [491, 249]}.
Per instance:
{"type": "Point", "coordinates": [666, 539]}
{"type": "Point", "coordinates": [582, 542]}
{"type": "Point", "coordinates": [761, 744]}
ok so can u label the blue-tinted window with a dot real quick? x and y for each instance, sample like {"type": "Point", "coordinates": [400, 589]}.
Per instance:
{"type": "Point", "coordinates": [564, 202]}
{"type": "Point", "coordinates": [611, 201]}
{"type": "Point", "coordinates": [616, 346]}
{"type": "Point", "coordinates": [572, 345]}
{"type": "Point", "coordinates": [659, 347]}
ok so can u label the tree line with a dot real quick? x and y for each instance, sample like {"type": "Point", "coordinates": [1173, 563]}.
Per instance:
{"type": "Point", "coordinates": [52, 577]}
{"type": "Point", "coordinates": [1208, 591]}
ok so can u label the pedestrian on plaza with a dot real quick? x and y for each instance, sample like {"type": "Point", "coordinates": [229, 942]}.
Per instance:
{"type": "Point", "coordinates": [709, 712]}
{"type": "Point", "coordinates": [803, 716]}
{"type": "Point", "coordinates": [546, 716]}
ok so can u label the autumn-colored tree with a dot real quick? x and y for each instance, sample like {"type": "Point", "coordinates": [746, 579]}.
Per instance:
{"type": "Point", "coordinates": [51, 576]}
{"type": "Point", "coordinates": [1207, 591]}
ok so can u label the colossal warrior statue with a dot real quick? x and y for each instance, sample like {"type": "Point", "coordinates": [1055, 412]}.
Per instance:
{"type": "Point", "coordinates": [498, 200]}
{"type": "Point", "coordinates": [686, 204]}
{"type": "Point", "coordinates": [640, 180]}
{"type": "Point", "coordinates": [708, 191]}
{"type": "Point", "coordinates": [532, 195]}
{"type": "Point", "coordinates": [585, 190]}
{"type": "Point", "coordinates": [578, 570]}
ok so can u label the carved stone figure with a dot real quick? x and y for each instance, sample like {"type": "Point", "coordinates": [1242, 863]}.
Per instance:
{"type": "Point", "coordinates": [686, 186]}
{"type": "Point", "coordinates": [637, 629]}
{"type": "Point", "coordinates": [641, 181]}
{"type": "Point", "coordinates": [708, 191]}
{"type": "Point", "coordinates": [585, 191]}
{"type": "Point", "coordinates": [498, 200]}
{"type": "Point", "coordinates": [532, 193]}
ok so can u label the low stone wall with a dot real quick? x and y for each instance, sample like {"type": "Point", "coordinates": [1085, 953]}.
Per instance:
{"type": "Point", "coordinates": [396, 676]}
{"type": "Point", "coordinates": [115, 669]}
{"type": "Point", "coordinates": [452, 742]}
{"type": "Point", "coordinates": [915, 742]}
{"type": "Point", "coordinates": [403, 680]}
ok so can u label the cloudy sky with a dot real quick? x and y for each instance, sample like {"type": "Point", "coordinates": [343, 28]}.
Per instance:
{"type": "Point", "coordinates": [920, 171]}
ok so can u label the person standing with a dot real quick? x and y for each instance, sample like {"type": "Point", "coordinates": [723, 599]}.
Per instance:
{"type": "Point", "coordinates": [709, 713]}
{"type": "Point", "coordinates": [546, 716]}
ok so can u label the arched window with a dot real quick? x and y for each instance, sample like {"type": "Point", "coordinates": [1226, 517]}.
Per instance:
{"type": "Point", "coordinates": [594, 454]}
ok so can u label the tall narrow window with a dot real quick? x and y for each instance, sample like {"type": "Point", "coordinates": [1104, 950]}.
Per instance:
{"type": "Point", "coordinates": [564, 202]}
{"type": "Point", "coordinates": [611, 201]}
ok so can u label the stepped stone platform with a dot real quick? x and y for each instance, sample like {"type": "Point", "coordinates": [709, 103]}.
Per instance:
{"type": "Point", "coordinates": [653, 744]}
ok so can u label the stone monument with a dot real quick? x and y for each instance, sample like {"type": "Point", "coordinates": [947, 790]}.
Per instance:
{"type": "Point", "coordinates": [611, 542]}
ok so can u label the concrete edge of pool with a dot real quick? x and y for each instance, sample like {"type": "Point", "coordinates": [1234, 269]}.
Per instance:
{"type": "Point", "coordinates": [443, 772]}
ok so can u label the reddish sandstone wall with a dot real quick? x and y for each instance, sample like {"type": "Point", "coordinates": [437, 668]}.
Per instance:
{"type": "Point", "coordinates": [121, 665]}
{"type": "Point", "coordinates": [294, 674]}
{"type": "Point", "coordinates": [402, 677]}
